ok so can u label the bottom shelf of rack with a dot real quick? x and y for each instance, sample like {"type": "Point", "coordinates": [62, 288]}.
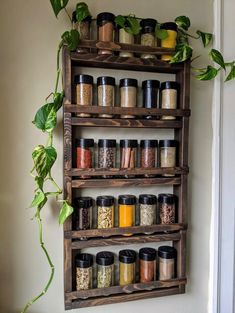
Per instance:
{"type": "Point", "coordinates": [116, 294]}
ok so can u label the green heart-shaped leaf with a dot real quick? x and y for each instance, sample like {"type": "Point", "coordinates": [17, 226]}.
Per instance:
{"type": "Point", "coordinates": [120, 21]}
{"type": "Point", "coordinates": [183, 22]}
{"type": "Point", "coordinates": [208, 73]}
{"type": "Point", "coordinates": [71, 38]}
{"type": "Point", "coordinates": [58, 5]}
{"type": "Point", "coordinates": [206, 37]}
{"type": "Point", "coordinates": [82, 11]}
{"type": "Point", "coordinates": [38, 199]}
{"type": "Point", "coordinates": [231, 75]}
{"type": "Point", "coordinates": [45, 118]}
{"type": "Point", "coordinates": [44, 158]}
{"type": "Point", "coordinates": [160, 33]}
{"type": "Point", "coordinates": [65, 212]}
{"type": "Point", "coordinates": [183, 53]}
{"type": "Point", "coordinates": [217, 57]}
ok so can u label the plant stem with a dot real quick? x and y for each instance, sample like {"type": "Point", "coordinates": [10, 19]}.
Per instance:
{"type": "Point", "coordinates": [58, 71]}
{"type": "Point", "coordinates": [188, 35]}
{"type": "Point", "coordinates": [66, 11]}
{"type": "Point", "coordinates": [54, 183]}
{"type": "Point", "coordinates": [32, 301]}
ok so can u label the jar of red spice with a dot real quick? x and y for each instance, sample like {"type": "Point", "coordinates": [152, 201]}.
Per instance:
{"type": "Point", "coordinates": [85, 148]}
{"type": "Point", "coordinates": [148, 153]}
{"type": "Point", "coordinates": [105, 24]}
{"type": "Point", "coordinates": [147, 258]}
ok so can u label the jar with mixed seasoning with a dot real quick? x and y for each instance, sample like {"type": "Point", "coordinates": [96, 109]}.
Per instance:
{"type": "Point", "coordinates": [107, 153]}
{"type": "Point", "coordinates": [84, 92]}
{"type": "Point", "coordinates": [105, 269]}
{"type": "Point", "coordinates": [128, 153]}
{"type": "Point", "coordinates": [148, 152]}
{"type": "Point", "coordinates": [167, 208]}
{"type": "Point", "coordinates": [125, 37]}
{"type": "Point", "coordinates": [148, 36]}
{"type": "Point", "coordinates": [127, 260]}
{"type": "Point", "coordinates": [84, 29]}
{"type": "Point", "coordinates": [167, 260]}
{"type": "Point", "coordinates": [105, 24]}
{"type": "Point", "coordinates": [84, 262]}
{"type": "Point", "coordinates": [83, 212]}
{"type": "Point", "coordinates": [168, 149]}
{"type": "Point", "coordinates": [105, 211]}
{"type": "Point", "coordinates": [106, 93]}
{"type": "Point", "coordinates": [169, 97]}
{"type": "Point", "coordinates": [128, 94]}
{"type": "Point", "coordinates": [148, 209]}
{"type": "Point", "coordinates": [150, 95]}
{"type": "Point", "coordinates": [147, 258]}
{"type": "Point", "coordinates": [85, 153]}
{"type": "Point", "coordinates": [127, 205]}
{"type": "Point", "coordinates": [170, 40]}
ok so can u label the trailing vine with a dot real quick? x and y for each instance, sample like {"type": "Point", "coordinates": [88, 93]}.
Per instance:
{"type": "Point", "coordinates": [44, 156]}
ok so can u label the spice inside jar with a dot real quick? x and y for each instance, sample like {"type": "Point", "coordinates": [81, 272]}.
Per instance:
{"type": "Point", "coordinates": [148, 36]}
{"type": "Point", "coordinates": [148, 151]}
{"type": "Point", "coordinates": [84, 29]}
{"type": "Point", "coordinates": [84, 153]}
{"type": "Point", "coordinates": [105, 24]}
{"type": "Point", "coordinates": [84, 262]}
{"type": "Point", "coordinates": [125, 37]}
{"type": "Point", "coordinates": [167, 211]}
{"type": "Point", "coordinates": [170, 40]}
{"type": "Point", "coordinates": [148, 208]}
{"type": "Point", "coordinates": [127, 205]}
{"type": "Point", "coordinates": [106, 93]}
{"type": "Point", "coordinates": [128, 94]}
{"type": "Point", "coordinates": [167, 260]}
{"type": "Point", "coordinates": [127, 259]}
{"type": "Point", "coordinates": [107, 153]}
{"type": "Point", "coordinates": [83, 213]}
{"type": "Point", "coordinates": [169, 97]}
{"type": "Point", "coordinates": [105, 269]}
{"type": "Point", "coordinates": [168, 150]}
{"type": "Point", "coordinates": [105, 211]}
{"type": "Point", "coordinates": [150, 95]}
{"type": "Point", "coordinates": [147, 258]}
{"type": "Point", "coordinates": [128, 153]}
{"type": "Point", "coordinates": [84, 92]}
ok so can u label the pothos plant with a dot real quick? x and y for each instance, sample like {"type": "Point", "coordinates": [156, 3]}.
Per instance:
{"type": "Point", "coordinates": [44, 156]}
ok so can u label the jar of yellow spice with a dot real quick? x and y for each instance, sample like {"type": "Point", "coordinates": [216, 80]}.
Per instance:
{"type": "Point", "coordinates": [170, 40]}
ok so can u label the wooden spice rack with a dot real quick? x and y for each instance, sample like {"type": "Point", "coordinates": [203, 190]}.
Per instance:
{"type": "Point", "coordinates": [72, 176]}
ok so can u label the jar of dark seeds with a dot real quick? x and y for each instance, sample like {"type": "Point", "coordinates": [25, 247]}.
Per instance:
{"type": "Point", "coordinates": [105, 269]}
{"type": "Point", "coordinates": [107, 153]}
{"type": "Point", "coordinates": [167, 211]}
{"type": "Point", "coordinates": [84, 262]}
{"type": "Point", "coordinates": [83, 213]}
{"type": "Point", "coordinates": [106, 93]}
{"type": "Point", "coordinates": [148, 154]}
{"type": "Point", "coordinates": [84, 92]}
{"type": "Point", "coordinates": [105, 211]}
{"type": "Point", "coordinates": [148, 208]}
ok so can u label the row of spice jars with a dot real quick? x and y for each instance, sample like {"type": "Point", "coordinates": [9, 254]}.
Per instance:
{"type": "Point", "coordinates": [106, 32]}
{"type": "Point", "coordinates": [151, 210]}
{"type": "Point", "coordinates": [168, 96]}
{"type": "Point", "coordinates": [152, 264]}
{"type": "Point", "coordinates": [152, 153]}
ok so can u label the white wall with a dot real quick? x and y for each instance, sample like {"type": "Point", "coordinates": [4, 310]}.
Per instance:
{"type": "Point", "coordinates": [30, 34]}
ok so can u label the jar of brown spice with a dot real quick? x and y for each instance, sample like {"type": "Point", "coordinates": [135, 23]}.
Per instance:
{"type": "Point", "coordinates": [148, 152]}
{"type": "Point", "coordinates": [127, 259]}
{"type": "Point", "coordinates": [84, 91]}
{"type": "Point", "coordinates": [106, 93]}
{"type": "Point", "coordinates": [128, 153]}
{"type": "Point", "coordinates": [105, 23]}
{"type": "Point", "coordinates": [147, 258]}
{"type": "Point", "coordinates": [167, 262]}
{"type": "Point", "coordinates": [84, 29]}
{"type": "Point", "coordinates": [167, 208]}
{"type": "Point", "coordinates": [84, 262]}
{"type": "Point", "coordinates": [128, 94]}
{"type": "Point", "coordinates": [83, 213]}
{"type": "Point", "coordinates": [168, 154]}
{"type": "Point", "coordinates": [169, 92]}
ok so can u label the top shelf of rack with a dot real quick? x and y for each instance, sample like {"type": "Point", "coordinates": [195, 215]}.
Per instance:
{"type": "Point", "coordinates": [114, 61]}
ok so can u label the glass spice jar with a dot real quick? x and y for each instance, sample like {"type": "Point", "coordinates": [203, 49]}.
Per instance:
{"type": "Point", "coordinates": [167, 211]}
{"type": "Point", "coordinates": [105, 211]}
{"type": "Point", "coordinates": [148, 152]}
{"type": "Point", "coordinates": [170, 40]}
{"type": "Point", "coordinates": [84, 262]}
{"type": "Point", "coordinates": [105, 269]}
{"type": "Point", "coordinates": [105, 24]}
{"type": "Point", "coordinates": [125, 37]}
{"type": "Point", "coordinates": [147, 258]}
{"type": "Point", "coordinates": [107, 153]}
{"type": "Point", "coordinates": [167, 260]}
{"type": "Point", "coordinates": [83, 212]}
{"type": "Point", "coordinates": [106, 93]}
{"type": "Point", "coordinates": [128, 153]}
{"type": "Point", "coordinates": [168, 97]}
{"type": "Point", "coordinates": [148, 208]}
{"type": "Point", "coordinates": [150, 95]}
{"type": "Point", "coordinates": [127, 205]}
{"type": "Point", "coordinates": [84, 92]}
{"type": "Point", "coordinates": [148, 36]}
{"type": "Point", "coordinates": [127, 260]}
{"type": "Point", "coordinates": [85, 149]}
{"type": "Point", "coordinates": [168, 150]}
{"type": "Point", "coordinates": [128, 94]}
{"type": "Point", "coordinates": [84, 29]}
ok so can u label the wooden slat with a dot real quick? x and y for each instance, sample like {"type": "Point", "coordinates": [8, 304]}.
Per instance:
{"type": "Point", "coordinates": [107, 232]}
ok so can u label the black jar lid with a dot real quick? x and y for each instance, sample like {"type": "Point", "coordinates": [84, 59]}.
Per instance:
{"type": "Point", "coordinates": [170, 85]}
{"type": "Point", "coordinates": [151, 83]}
{"type": "Point", "coordinates": [74, 18]}
{"type": "Point", "coordinates": [84, 143]}
{"type": "Point", "coordinates": [83, 202]}
{"type": "Point", "coordinates": [148, 25]}
{"type": "Point", "coordinates": [148, 143]}
{"type": "Point", "coordinates": [107, 143]}
{"type": "Point", "coordinates": [127, 199]}
{"type": "Point", "coordinates": [84, 260]}
{"type": "Point", "coordinates": [147, 254]}
{"type": "Point", "coordinates": [167, 252]}
{"type": "Point", "coordinates": [128, 82]}
{"type": "Point", "coordinates": [105, 201]}
{"type": "Point", "coordinates": [85, 79]}
{"type": "Point", "coordinates": [169, 26]}
{"type": "Point", "coordinates": [129, 143]}
{"type": "Point", "coordinates": [168, 143]}
{"type": "Point", "coordinates": [167, 198]}
{"type": "Point", "coordinates": [147, 199]}
{"type": "Point", "coordinates": [105, 17]}
{"type": "Point", "coordinates": [105, 80]}
{"type": "Point", "coordinates": [127, 256]}
{"type": "Point", "coordinates": [105, 258]}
